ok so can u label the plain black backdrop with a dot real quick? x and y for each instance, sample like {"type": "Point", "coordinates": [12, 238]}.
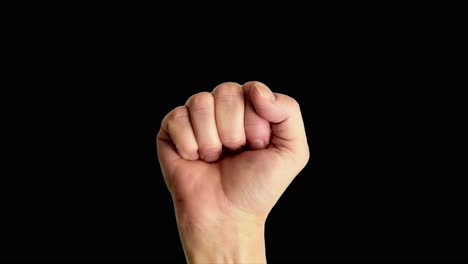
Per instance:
{"type": "Point", "coordinates": [82, 180]}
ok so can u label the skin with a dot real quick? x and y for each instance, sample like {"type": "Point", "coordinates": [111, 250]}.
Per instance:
{"type": "Point", "coordinates": [227, 157]}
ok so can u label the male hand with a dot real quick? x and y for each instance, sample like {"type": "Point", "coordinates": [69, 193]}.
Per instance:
{"type": "Point", "coordinates": [227, 156]}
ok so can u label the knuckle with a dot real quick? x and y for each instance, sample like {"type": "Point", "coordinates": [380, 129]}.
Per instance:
{"type": "Point", "coordinates": [202, 101]}
{"type": "Point", "coordinates": [294, 103]}
{"type": "Point", "coordinates": [210, 149]}
{"type": "Point", "coordinates": [256, 83]}
{"type": "Point", "coordinates": [179, 113]}
{"type": "Point", "coordinates": [188, 148]}
{"type": "Point", "coordinates": [230, 141]}
{"type": "Point", "coordinates": [189, 152]}
{"type": "Point", "coordinates": [164, 122]}
{"type": "Point", "coordinates": [258, 128]}
{"type": "Point", "coordinates": [228, 92]}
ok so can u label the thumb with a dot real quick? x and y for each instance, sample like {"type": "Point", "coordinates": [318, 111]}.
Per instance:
{"type": "Point", "coordinates": [284, 115]}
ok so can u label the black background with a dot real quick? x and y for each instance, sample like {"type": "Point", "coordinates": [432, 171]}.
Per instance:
{"type": "Point", "coordinates": [88, 94]}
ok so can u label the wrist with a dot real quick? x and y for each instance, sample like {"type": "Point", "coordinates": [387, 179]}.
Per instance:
{"type": "Point", "coordinates": [224, 240]}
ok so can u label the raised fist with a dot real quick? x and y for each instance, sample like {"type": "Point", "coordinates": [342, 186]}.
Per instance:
{"type": "Point", "coordinates": [227, 156]}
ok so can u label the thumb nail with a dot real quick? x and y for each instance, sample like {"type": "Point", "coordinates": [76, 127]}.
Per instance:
{"type": "Point", "coordinates": [265, 92]}
{"type": "Point", "coordinates": [258, 144]}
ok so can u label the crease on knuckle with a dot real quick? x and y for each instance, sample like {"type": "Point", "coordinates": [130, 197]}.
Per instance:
{"type": "Point", "coordinates": [212, 149]}
{"type": "Point", "coordinates": [228, 93]}
{"type": "Point", "coordinates": [201, 102]}
{"type": "Point", "coordinates": [233, 141]}
{"type": "Point", "coordinates": [178, 114]}
{"type": "Point", "coordinates": [188, 152]}
{"type": "Point", "coordinates": [294, 104]}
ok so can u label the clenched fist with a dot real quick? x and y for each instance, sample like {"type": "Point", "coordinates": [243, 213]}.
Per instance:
{"type": "Point", "coordinates": [227, 156]}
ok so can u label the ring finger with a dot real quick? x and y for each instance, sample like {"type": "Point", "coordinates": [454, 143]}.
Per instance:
{"type": "Point", "coordinates": [202, 117]}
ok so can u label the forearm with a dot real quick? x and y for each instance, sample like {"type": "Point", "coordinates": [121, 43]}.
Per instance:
{"type": "Point", "coordinates": [224, 242]}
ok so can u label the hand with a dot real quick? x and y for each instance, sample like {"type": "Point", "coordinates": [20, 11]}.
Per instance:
{"type": "Point", "coordinates": [227, 156]}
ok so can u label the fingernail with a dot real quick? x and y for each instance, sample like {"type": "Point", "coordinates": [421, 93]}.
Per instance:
{"type": "Point", "coordinates": [258, 144]}
{"type": "Point", "coordinates": [194, 156]}
{"type": "Point", "coordinates": [210, 157]}
{"type": "Point", "coordinates": [265, 92]}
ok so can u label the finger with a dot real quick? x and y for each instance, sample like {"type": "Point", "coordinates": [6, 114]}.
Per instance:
{"type": "Point", "coordinates": [229, 114]}
{"type": "Point", "coordinates": [257, 129]}
{"type": "Point", "coordinates": [202, 117]}
{"type": "Point", "coordinates": [178, 128]}
{"type": "Point", "coordinates": [284, 113]}
{"type": "Point", "coordinates": [167, 153]}
{"type": "Point", "coordinates": [168, 157]}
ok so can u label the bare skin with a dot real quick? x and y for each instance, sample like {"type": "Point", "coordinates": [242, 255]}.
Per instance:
{"type": "Point", "coordinates": [227, 157]}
